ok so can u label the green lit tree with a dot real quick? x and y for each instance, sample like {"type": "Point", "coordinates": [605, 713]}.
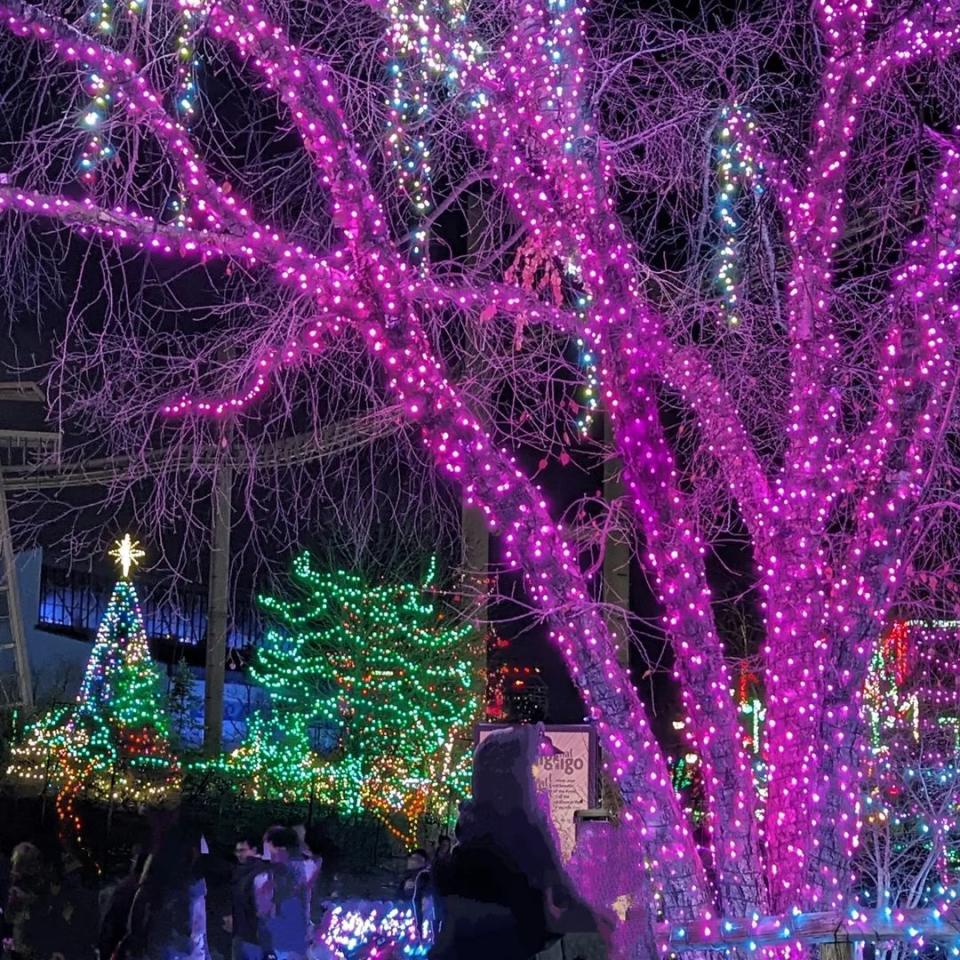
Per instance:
{"type": "Point", "coordinates": [113, 744]}
{"type": "Point", "coordinates": [381, 665]}
{"type": "Point", "coordinates": [278, 757]}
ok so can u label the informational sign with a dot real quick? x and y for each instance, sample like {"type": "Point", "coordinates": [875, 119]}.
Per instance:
{"type": "Point", "coordinates": [565, 770]}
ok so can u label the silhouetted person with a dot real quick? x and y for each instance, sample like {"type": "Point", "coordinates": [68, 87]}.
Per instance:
{"type": "Point", "coordinates": [115, 902]}
{"type": "Point", "coordinates": [415, 883]}
{"type": "Point", "coordinates": [45, 912]}
{"type": "Point", "coordinates": [75, 903]}
{"type": "Point", "coordinates": [416, 864]}
{"type": "Point", "coordinates": [444, 848]}
{"type": "Point", "coordinates": [505, 891]}
{"type": "Point", "coordinates": [217, 874]}
{"type": "Point", "coordinates": [244, 922]}
{"type": "Point", "coordinates": [26, 907]}
{"type": "Point", "coordinates": [167, 918]}
{"type": "Point", "coordinates": [282, 889]}
{"type": "Point", "coordinates": [315, 848]}
{"type": "Point", "coordinates": [440, 859]}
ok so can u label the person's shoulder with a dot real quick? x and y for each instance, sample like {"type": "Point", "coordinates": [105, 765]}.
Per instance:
{"type": "Point", "coordinates": [19, 894]}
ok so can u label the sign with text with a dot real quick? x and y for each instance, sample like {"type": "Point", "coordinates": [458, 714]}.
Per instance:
{"type": "Point", "coordinates": [566, 772]}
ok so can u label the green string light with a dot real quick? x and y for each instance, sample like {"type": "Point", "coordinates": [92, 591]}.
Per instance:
{"type": "Point", "coordinates": [379, 665]}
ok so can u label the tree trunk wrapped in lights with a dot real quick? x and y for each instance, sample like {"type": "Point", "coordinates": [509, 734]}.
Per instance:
{"type": "Point", "coordinates": [793, 391]}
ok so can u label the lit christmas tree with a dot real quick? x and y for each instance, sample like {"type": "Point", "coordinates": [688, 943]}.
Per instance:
{"type": "Point", "coordinates": [113, 743]}
{"type": "Point", "coordinates": [278, 757]}
{"type": "Point", "coordinates": [378, 664]}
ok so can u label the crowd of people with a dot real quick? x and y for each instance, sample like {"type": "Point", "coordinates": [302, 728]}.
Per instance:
{"type": "Point", "coordinates": [500, 890]}
{"type": "Point", "coordinates": [175, 901]}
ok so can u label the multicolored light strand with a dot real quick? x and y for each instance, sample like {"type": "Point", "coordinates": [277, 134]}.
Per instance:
{"type": "Point", "coordinates": [414, 76]}
{"type": "Point", "coordinates": [192, 13]}
{"type": "Point", "coordinates": [192, 18]}
{"type": "Point", "coordinates": [98, 108]}
{"type": "Point", "coordinates": [590, 390]}
{"type": "Point", "coordinates": [738, 174]}
{"type": "Point", "coordinates": [374, 930]}
{"type": "Point", "coordinates": [412, 71]}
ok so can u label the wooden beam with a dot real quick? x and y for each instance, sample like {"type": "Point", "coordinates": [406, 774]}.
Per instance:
{"type": "Point", "coordinates": [475, 567]}
{"type": "Point", "coordinates": [303, 448]}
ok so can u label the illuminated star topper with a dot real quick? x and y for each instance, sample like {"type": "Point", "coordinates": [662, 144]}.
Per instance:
{"type": "Point", "coordinates": [127, 553]}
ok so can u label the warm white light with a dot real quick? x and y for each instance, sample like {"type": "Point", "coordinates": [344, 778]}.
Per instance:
{"type": "Point", "coordinates": [127, 553]}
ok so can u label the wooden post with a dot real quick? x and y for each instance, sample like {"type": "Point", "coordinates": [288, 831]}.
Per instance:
{"type": "Point", "coordinates": [217, 606]}
{"type": "Point", "coordinates": [616, 558]}
{"type": "Point", "coordinates": [475, 566]}
{"type": "Point", "coordinates": [837, 951]}
{"type": "Point", "coordinates": [475, 533]}
{"type": "Point", "coordinates": [11, 587]}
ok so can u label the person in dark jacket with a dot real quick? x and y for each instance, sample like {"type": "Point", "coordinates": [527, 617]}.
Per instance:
{"type": "Point", "coordinates": [415, 866]}
{"type": "Point", "coordinates": [167, 918]}
{"type": "Point", "coordinates": [244, 923]}
{"type": "Point", "coordinates": [415, 884]}
{"type": "Point", "coordinates": [444, 848]}
{"type": "Point", "coordinates": [75, 900]}
{"type": "Point", "coordinates": [441, 857]}
{"type": "Point", "coordinates": [115, 904]}
{"type": "Point", "coordinates": [505, 892]}
{"type": "Point", "coordinates": [30, 913]}
{"type": "Point", "coordinates": [316, 850]}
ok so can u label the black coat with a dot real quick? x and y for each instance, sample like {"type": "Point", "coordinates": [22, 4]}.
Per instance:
{"type": "Point", "coordinates": [491, 909]}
